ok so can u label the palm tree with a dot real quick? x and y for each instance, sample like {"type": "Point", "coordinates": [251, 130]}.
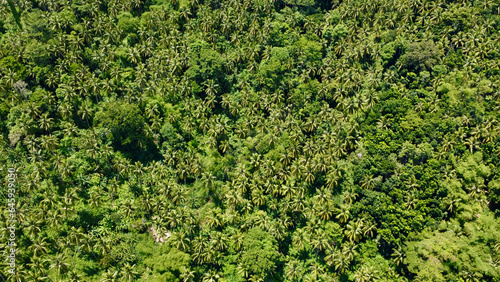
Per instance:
{"type": "Point", "coordinates": [340, 262]}
{"type": "Point", "coordinates": [368, 182]}
{"type": "Point", "coordinates": [333, 177]}
{"type": "Point", "coordinates": [472, 143]}
{"type": "Point", "coordinates": [74, 276]}
{"type": "Point", "coordinates": [46, 122]}
{"type": "Point", "coordinates": [349, 250]}
{"type": "Point", "coordinates": [128, 207]}
{"type": "Point", "coordinates": [212, 220]}
{"type": "Point", "coordinates": [111, 275]}
{"type": "Point", "coordinates": [294, 270]}
{"type": "Point", "coordinates": [49, 143]}
{"type": "Point", "coordinates": [85, 111]}
{"type": "Point", "coordinates": [315, 271]}
{"type": "Point", "coordinates": [133, 55]}
{"type": "Point", "coordinates": [187, 275]}
{"type": "Point", "coordinates": [349, 196]}
{"type": "Point", "coordinates": [471, 276]}
{"type": "Point", "coordinates": [398, 256]}
{"type": "Point", "coordinates": [258, 197]}
{"type": "Point", "coordinates": [309, 175]}
{"type": "Point", "coordinates": [365, 274]}
{"type": "Point", "coordinates": [87, 242]}
{"type": "Point", "coordinates": [32, 226]}
{"type": "Point", "coordinates": [103, 245]}
{"type": "Point", "coordinates": [58, 262]}
{"type": "Point", "coordinates": [55, 217]}
{"type": "Point", "coordinates": [344, 214]}
{"type": "Point", "coordinates": [448, 143]}
{"type": "Point", "coordinates": [496, 248]}
{"type": "Point", "coordinates": [320, 241]}
{"type": "Point", "coordinates": [181, 240]}
{"type": "Point", "coordinates": [128, 273]}
{"type": "Point", "coordinates": [39, 247]}
{"type": "Point", "coordinates": [36, 274]}
{"type": "Point", "coordinates": [369, 230]}
{"type": "Point", "coordinates": [243, 271]}
{"type": "Point", "coordinates": [354, 230]}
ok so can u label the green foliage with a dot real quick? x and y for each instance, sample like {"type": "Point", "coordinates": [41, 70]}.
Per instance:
{"type": "Point", "coordinates": [38, 26]}
{"type": "Point", "coordinates": [494, 188]}
{"type": "Point", "coordinates": [305, 3]}
{"type": "Point", "coordinates": [472, 170]}
{"type": "Point", "coordinates": [123, 125]}
{"type": "Point", "coordinates": [9, 63]}
{"type": "Point", "coordinates": [391, 52]}
{"type": "Point", "coordinates": [335, 33]}
{"type": "Point", "coordinates": [421, 56]}
{"type": "Point", "coordinates": [165, 263]}
{"type": "Point", "coordinates": [311, 49]}
{"type": "Point", "coordinates": [127, 23]}
{"type": "Point", "coordinates": [38, 53]}
{"type": "Point", "coordinates": [260, 253]}
{"type": "Point", "coordinates": [453, 251]}
{"type": "Point", "coordinates": [459, 18]}
{"type": "Point", "coordinates": [204, 64]}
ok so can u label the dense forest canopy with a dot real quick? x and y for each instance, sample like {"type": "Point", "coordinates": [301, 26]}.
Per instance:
{"type": "Point", "coordinates": [268, 140]}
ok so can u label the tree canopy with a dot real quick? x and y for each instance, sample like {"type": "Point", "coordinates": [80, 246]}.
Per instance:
{"type": "Point", "coordinates": [241, 140]}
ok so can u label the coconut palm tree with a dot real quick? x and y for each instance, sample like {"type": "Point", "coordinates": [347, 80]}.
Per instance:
{"type": "Point", "coordinates": [294, 270]}
{"type": "Point", "coordinates": [39, 247]}
{"type": "Point", "coordinates": [365, 274]}
{"type": "Point", "coordinates": [398, 256]}
{"type": "Point", "coordinates": [58, 262]}
{"type": "Point", "coordinates": [111, 275]}
{"type": "Point", "coordinates": [128, 273]}
{"type": "Point", "coordinates": [354, 230]}
{"type": "Point", "coordinates": [343, 214]}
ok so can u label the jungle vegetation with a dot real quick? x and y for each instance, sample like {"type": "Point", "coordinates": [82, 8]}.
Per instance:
{"type": "Point", "coordinates": [240, 140]}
